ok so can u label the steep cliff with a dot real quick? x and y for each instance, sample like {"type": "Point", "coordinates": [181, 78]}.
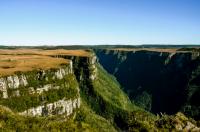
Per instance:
{"type": "Point", "coordinates": [78, 95]}
{"type": "Point", "coordinates": [159, 81]}
{"type": "Point", "coordinates": [52, 94]}
{"type": "Point", "coordinates": [41, 92]}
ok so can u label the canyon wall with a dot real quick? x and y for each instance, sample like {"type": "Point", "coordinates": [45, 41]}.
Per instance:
{"type": "Point", "coordinates": [84, 66]}
{"type": "Point", "coordinates": [41, 92]}
{"type": "Point", "coordinates": [48, 92]}
{"type": "Point", "coordinates": [157, 81]}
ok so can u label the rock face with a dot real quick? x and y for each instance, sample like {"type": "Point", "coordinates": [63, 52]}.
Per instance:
{"type": "Point", "coordinates": [40, 90]}
{"type": "Point", "coordinates": [14, 81]}
{"type": "Point", "coordinates": [60, 107]}
{"type": "Point", "coordinates": [51, 92]}
{"type": "Point", "coordinates": [92, 68]}
{"type": "Point", "coordinates": [21, 80]}
{"type": "Point", "coordinates": [3, 88]}
{"type": "Point", "coordinates": [82, 64]}
{"type": "Point", "coordinates": [171, 80]}
{"type": "Point", "coordinates": [60, 73]}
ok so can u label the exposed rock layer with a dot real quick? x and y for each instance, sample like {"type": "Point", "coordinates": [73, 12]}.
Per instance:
{"type": "Point", "coordinates": [40, 82]}
{"type": "Point", "coordinates": [60, 107]}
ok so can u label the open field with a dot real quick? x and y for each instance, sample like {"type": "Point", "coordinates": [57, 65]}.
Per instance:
{"type": "Point", "coordinates": [65, 52]}
{"type": "Point", "coordinates": [9, 64]}
{"type": "Point", "coordinates": [170, 50]}
{"type": "Point", "coordinates": [24, 60]}
{"type": "Point", "coordinates": [44, 52]}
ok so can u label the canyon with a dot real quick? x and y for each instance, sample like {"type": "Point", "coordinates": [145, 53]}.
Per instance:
{"type": "Point", "coordinates": [159, 80]}
{"type": "Point", "coordinates": [99, 89]}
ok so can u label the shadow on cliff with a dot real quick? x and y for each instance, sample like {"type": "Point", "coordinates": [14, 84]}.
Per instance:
{"type": "Point", "coordinates": [158, 82]}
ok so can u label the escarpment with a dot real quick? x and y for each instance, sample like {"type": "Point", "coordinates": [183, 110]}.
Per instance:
{"type": "Point", "coordinates": [46, 82]}
{"type": "Point", "coordinates": [83, 66]}
{"type": "Point", "coordinates": [69, 90]}
{"type": "Point", "coordinates": [43, 91]}
{"type": "Point", "coordinates": [50, 85]}
{"type": "Point", "coordinates": [159, 81]}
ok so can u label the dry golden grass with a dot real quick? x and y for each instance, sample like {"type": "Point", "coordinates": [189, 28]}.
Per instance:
{"type": "Point", "coordinates": [45, 52]}
{"type": "Point", "coordinates": [170, 50]}
{"type": "Point", "coordinates": [9, 64]}
{"type": "Point", "coordinates": [66, 52]}
{"type": "Point", "coordinates": [24, 60]}
{"type": "Point", "coordinates": [19, 52]}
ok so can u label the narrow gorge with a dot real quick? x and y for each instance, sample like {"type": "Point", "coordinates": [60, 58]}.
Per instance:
{"type": "Point", "coordinates": [160, 81]}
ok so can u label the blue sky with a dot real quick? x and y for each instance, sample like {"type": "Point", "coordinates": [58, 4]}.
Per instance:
{"type": "Point", "coordinates": [62, 22]}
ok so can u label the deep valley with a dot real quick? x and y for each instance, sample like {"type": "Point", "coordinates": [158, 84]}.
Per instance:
{"type": "Point", "coordinates": [99, 88]}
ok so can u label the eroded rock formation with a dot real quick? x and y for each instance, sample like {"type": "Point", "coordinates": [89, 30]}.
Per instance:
{"type": "Point", "coordinates": [59, 107]}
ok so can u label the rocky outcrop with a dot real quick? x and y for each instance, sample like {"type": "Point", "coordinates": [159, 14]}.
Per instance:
{"type": "Point", "coordinates": [23, 79]}
{"type": "Point", "coordinates": [61, 72]}
{"type": "Point", "coordinates": [84, 64]}
{"type": "Point", "coordinates": [16, 81]}
{"type": "Point", "coordinates": [42, 92]}
{"type": "Point", "coordinates": [3, 88]}
{"type": "Point", "coordinates": [177, 122]}
{"type": "Point", "coordinates": [60, 107]}
{"type": "Point", "coordinates": [92, 68]}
